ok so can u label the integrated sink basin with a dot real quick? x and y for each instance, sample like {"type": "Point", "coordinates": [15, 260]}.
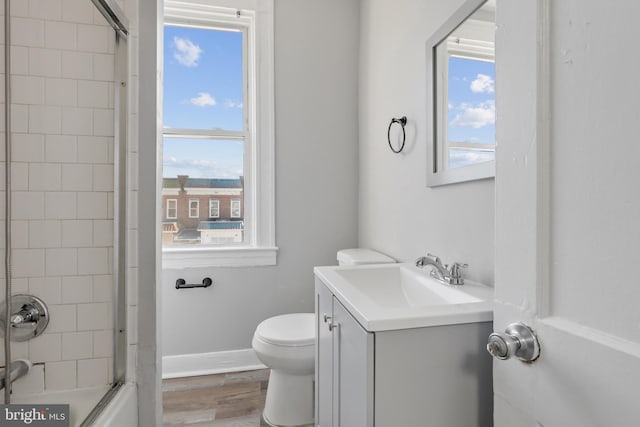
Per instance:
{"type": "Point", "coordinates": [399, 296]}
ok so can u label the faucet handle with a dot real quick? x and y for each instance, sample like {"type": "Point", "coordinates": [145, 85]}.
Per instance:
{"type": "Point", "coordinates": [455, 274]}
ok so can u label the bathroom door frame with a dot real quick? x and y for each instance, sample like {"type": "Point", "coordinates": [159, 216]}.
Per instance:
{"type": "Point", "coordinates": [585, 375]}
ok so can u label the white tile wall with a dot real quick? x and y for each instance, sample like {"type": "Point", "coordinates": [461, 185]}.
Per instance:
{"type": "Point", "coordinates": [62, 92]}
{"type": "Point", "coordinates": [45, 9]}
{"type": "Point", "coordinates": [77, 289]}
{"type": "Point", "coordinates": [44, 62]}
{"type": "Point", "coordinates": [60, 205]}
{"type": "Point", "coordinates": [77, 345]}
{"type": "Point", "coordinates": [103, 232]}
{"type": "Point", "coordinates": [19, 176]}
{"type": "Point", "coordinates": [92, 206]}
{"type": "Point", "coordinates": [93, 149]}
{"type": "Point", "coordinates": [62, 173]}
{"type": "Point", "coordinates": [77, 177]}
{"type": "Point", "coordinates": [77, 11]}
{"type": "Point", "coordinates": [44, 177]}
{"type": "Point", "coordinates": [61, 262]}
{"type": "Point", "coordinates": [60, 375]}
{"type": "Point", "coordinates": [77, 233]}
{"type": "Point", "coordinates": [44, 234]}
{"type": "Point", "coordinates": [19, 234]}
{"type": "Point", "coordinates": [26, 32]}
{"type": "Point", "coordinates": [103, 288]}
{"type": "Point", "coordinates": [19, 60]}
{"type": "Point", "coordinates": [61, 148]}
{"type": "Point", "coordinates": [19, 118]}
{"type": "Point", "coordinates": [60, 35]}
{"type": "Point", "coordinates": [77, 65]}
{"type": "Point", "coordinates": [45, 119]}
{"type": "Point", "coordinates": [94, 316]}
{"type": "Point", "coordinates": [27, 148]}
{"type": "Point", "coordinates": [62, 318]}
{"type": "Point", "coordinates": [103, 343]}
{"type": "Point", "coordinates": [46, 288]}
{"type": "Point", "coordinates": [93, 372]}
{"type": "Point", "coordinates": [45, 348]}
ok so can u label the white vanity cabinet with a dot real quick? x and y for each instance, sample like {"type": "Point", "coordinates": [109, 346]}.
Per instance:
{"type": "Point", "coordinates": [344, 366]}
{"type": "Point", "coordinates": [428, 376]}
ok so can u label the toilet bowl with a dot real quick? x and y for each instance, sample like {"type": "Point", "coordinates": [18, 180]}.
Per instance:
{"type": "Point", "coordinates": [286, 345]}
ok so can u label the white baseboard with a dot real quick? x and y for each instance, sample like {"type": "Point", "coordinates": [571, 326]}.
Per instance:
{"type": "Point", "coordinates": [189, 365]}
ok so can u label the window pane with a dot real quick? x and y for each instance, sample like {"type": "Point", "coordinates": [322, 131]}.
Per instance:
{"type": "Point", "coordinates": [471, 110]}
{"type": "Point", "coordinates": [203, 79]}
{"type": "Point", "coordinates": [205, 177]}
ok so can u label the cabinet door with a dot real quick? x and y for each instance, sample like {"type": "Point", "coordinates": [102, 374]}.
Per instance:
{"type": "Point", "coordinates": [324, 357]}
{"type": "Point", "coordinates": [353, 371]}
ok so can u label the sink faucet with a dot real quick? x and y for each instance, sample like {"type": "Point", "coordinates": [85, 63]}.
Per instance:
{"type": "Point", "coordinates": [443, 273]}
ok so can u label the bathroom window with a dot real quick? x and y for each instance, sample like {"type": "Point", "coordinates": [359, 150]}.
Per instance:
{"type": "Point", "coordinates": [235, 208]}
{"type": "Point", "coordinates": [218, 131]}
{"type": "Point", "coordinates": [194, 208]}
{"type": "Point", "coordinates": [172, 209]}
{"type": "Point", "coordinates": [214, 208]}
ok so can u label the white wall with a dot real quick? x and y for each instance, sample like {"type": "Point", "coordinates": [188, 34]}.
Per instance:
{"type": "Point", "coordinates": [316, 186]}
{"type": "Point", "coordinates": [398, 214]}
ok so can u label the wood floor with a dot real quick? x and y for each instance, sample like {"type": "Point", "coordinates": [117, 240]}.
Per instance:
{"type": "Point", "coordinates": [223, 400]}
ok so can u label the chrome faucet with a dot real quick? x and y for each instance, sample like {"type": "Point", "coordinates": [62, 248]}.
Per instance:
{"type": "Point", "coordinates": [442, 272]}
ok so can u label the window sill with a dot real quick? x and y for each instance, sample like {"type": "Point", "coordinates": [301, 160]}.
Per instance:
{"type": "Point", "coordinates": [218, 257]}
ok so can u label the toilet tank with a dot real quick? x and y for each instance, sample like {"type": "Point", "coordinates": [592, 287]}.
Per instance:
{"type": "Point", "coordinates": [359, 256]}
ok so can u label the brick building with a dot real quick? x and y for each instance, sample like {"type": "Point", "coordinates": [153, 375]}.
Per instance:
{"type": "Point", "coordinates": [202, 210]}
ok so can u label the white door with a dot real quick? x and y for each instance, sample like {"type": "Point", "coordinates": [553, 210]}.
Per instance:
{"type": "Point", "coordinates": [568, 211]}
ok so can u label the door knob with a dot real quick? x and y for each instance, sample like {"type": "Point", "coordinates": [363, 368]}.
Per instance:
{"type": "Point", "coordinates": [517, 340]}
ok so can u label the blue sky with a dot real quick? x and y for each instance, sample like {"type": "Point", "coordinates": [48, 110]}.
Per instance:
{"type": "Point", "coordinates": [471, 101]}
{"type": "Point", "coordinates": [202, 90]}
{"type": "Point", "coordinates": [471, 112]}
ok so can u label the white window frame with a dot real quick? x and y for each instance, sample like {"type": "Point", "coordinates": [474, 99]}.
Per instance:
{"type": "Point", "coordinates": [197, 208]}
{"type": "Point", "coordinates": [259, 247]}
{"type": "Point", "coordinates": [214, 207]}
{"type": "Point", "coordinates": [175, 208]}
{"type": "Point", "coordinates": [231, 207]}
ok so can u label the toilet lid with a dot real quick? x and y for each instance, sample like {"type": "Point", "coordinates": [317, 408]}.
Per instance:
{"type": "Point", "coordinates": [293, 330]}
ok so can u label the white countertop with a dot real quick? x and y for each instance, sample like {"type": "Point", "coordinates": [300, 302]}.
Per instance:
{"type": "Point", "coordinates": [372, 294]}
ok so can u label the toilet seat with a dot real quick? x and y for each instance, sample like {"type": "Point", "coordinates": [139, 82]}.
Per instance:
{"type": "Point", "coordinates": [289, 330]}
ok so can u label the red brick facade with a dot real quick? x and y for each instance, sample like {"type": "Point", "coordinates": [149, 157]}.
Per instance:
{"type": "Point", "coordinates": [182, 191]}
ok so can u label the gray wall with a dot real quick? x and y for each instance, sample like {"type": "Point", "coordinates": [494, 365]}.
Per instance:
{"type": "Point", "coordinates": [398, 214]}
{"type": "Point", "coordinates": [316, 44]}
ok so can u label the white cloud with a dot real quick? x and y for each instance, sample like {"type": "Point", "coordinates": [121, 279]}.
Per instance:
{"type": "Point", "coordinates": [459, 158]}
{"type": "Point", "coordinates": [476, 116]}
{"type": "Point", "coordinates": [198, 168]}
{"type": "Point", "coordinates": [483, 84]}
{"type": "Point", "coordinates": [187, 53]}
{"type": "Point", "coordinates": [232, 104]}
{"type": "Point", "coordinates": [203, 99]}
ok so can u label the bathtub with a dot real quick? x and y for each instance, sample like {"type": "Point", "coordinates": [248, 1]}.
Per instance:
{"type": "Point", "coordinates": [121, 410]}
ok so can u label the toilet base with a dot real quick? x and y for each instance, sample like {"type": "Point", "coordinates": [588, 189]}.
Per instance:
{"type": "Point", "coordinates": [289, 401]}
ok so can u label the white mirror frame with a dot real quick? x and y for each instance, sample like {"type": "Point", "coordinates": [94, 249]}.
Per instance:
{"type": "Point", "coordinates": [437, 177]}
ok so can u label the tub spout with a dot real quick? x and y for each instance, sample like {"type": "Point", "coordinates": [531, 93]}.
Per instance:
{"type": "Point", "coordinates": [19, 368]}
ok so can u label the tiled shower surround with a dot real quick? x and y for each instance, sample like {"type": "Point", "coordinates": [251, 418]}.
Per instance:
{"type": "Point", "coordinates": [62, 69]}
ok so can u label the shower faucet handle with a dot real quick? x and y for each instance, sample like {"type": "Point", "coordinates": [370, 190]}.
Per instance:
{"type": "Point", "coordinates": [28, 317]}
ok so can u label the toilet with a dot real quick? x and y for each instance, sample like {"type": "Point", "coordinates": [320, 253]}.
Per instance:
{"type": "Point", "coordinates": [286, 345]}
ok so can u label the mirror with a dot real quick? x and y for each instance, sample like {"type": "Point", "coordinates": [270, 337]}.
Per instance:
{"type": "Point", "coordinates": [461, 94]}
